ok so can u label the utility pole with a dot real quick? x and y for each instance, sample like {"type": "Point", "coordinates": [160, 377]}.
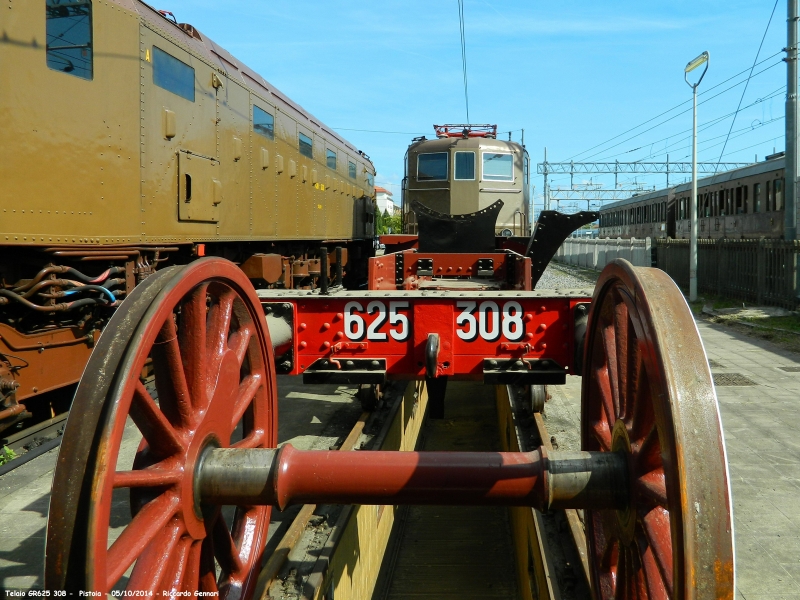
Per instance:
{"type": "Point", "coordinates": [700, 60]}
{"type": "Point", "coordinates": [546, 196]}
{"type": "Point", "coordinates": [791, 160]}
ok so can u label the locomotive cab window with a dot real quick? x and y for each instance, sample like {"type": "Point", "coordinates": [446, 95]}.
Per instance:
{"type": "Point", "coordinates": [69, 37]}
{"type": "Point", "coordinates": [351, 169]}
{"type": "Point", "coordinates": [370, 181]}
{"type": "Point", "coordinates": [498, 167]}
{"type": "Point", "coordinates": [306, 145]}
{"type": "Point", "coordinates": [330, 158]}
{"type": "Point", "coordinates": [263, 123]}
{"type": "Point", "coordinates": [172, 74]}
{"type": "Point", "coordinates": [432, 166]}
{"type": "Point", "coordinates": [465, 165]}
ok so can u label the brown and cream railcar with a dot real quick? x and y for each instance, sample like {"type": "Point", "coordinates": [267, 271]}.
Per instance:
{"type": "Point", "coordinates": [465, 169]}
{"type": "Point", "coordinates": [742, 203]}
{"type": "Point", "coordinates": [130, 142]}
{"type": "Point", "coordinates": [641, 216]}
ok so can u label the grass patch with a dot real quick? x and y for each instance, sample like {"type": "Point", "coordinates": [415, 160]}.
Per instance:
{"type": "Point", "coordinates": [7, 455]}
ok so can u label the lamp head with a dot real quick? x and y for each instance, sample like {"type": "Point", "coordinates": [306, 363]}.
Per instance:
{"type": "Point", "coordinates": [702, 59]}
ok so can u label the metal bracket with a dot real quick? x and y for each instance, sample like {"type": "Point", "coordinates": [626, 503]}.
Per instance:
{"type": "Point", "coordinates": [581, 316]}
{"type": "Point", "coordinates": [425, 267]}
{"type": "Point", "coordinates": [346, 370]}
{"type": "Point", "coordinates": [399, 268]}
{"type": "Point", "coordinates": [485, 267]}
{"type": "Point", "coordinates": [520, 371]}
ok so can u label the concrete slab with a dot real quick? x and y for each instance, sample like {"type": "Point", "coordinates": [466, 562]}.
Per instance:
{"type": "Point", "coordinates": [311, 417]}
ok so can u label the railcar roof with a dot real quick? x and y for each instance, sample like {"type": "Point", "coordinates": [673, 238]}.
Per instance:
{"type": "Point", "coordinates": [748, 171]}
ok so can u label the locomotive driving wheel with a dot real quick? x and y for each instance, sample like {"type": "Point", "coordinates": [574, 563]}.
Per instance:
{"type": "Point", "coordinates": [648, 394]}
{"type": "Point", "coordinates": [127, 514]}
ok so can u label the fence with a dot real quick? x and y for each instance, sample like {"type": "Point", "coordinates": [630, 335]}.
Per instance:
{"type": "Point", "coordinates": [597, 253]}
{"type": "Point", "coordinates": [759, 271]}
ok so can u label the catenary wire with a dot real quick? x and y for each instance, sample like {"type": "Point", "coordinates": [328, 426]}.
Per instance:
{"type": "Point", "coordinates": [755, 60]}
{"type": "Point", "coordinates": [463, 52]}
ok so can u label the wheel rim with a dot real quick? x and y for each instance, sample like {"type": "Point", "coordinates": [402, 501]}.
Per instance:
{"type": "Point", "coordinates": [647, 391]}
{"type": "Point", "coordinates": [214, 377]}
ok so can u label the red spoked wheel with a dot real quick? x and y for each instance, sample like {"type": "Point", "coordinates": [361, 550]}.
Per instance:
{"type": "Point", "coordinates": [201, 332]}
{"type": "Point", "coordinates": [648, 392]}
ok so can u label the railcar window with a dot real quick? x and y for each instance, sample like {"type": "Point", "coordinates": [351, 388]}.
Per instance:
{"type": "Point", "coordinates": [306, 145]}
{"type": "Point", "coordinates": [757, 197]}
{"type": "Point", "coordinates": [432, 166]}
{"type": "Point", "coordinates": [769, 196]}
{"type": "Point", "coordinates": [330, 159]}
{"type": "Point", "coordinates": [172, 74]}
{"type": "Point", "coordinates": [778, 185]}
{"type": "Point", "coordinates": [263, 123]}
{"type": "Point", "coordinates": [351, 169]}
{"type": "Point", "coordinates": [465, 165]}
{"type": "Point", "coordinates": [498, 167]}
{"type": "Point", "coordinates": [69, 37]}
{"type": "Point", "coordinates": [370, 180]}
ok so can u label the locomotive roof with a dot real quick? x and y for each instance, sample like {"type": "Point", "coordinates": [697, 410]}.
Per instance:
{"type": "Point", "coordinates": [201, 44]}
{"type": "Point", "coordinates": [748, 171]}
{"type": "Point", "coordinates": [443, 143]}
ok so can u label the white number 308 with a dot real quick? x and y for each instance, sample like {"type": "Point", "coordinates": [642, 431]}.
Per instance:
{"type": "Point", "coordinates": [491, 322]}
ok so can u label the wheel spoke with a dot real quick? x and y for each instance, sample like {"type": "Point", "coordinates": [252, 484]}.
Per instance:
{"type": "Point", "coordinates": [153, 425]}
{"type": "Point", "coordinates": [649, 456]}
{"type": "Point", "coordinates": [602, 434]}
{"type": "Point", "coordinates": [622, 354]}
{"type": "Point", "coordinates": [225, 549]}
{"type": "Point", "coordinates": [173, 392]}
{"type": "Point", "coordinates": [142, 529]}
{"type": "Point", "coordinates": [192, 338]}
{"type": "Point", "coordinates": [240, 341]}
{"type": "Point", "coordinates": [642, 420]}
{"type": "Point", "coordinates": [151, 566]}
{"type": "Point", "coordinates": [191, 578]}
{"type": "Point", "coordinates": [207, 569]}
{"type": "Point", "coordinates": [247, 391]}
{"type": "Point", "coordinates": [219, 325]}
{"type": "Point", "coordinates": [602, 378]}
{"type": "Point", "coordinates": [656, 589]}
{"type": "Point", "coordinates": [611, 402]}
{"type": "Point", "coordinates": [150, 477]}
{"type": "Point", "coordinates": [178, 564]}
{"type": "Point", "coordinates": [659, 537]}
{"type": "Point", "coordinates": [652, 488]}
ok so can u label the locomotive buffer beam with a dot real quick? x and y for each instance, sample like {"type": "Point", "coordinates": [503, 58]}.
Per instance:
{"type": "Point", "coordinates": [542, 479]}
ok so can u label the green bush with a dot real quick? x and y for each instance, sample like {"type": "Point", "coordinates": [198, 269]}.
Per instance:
{"type": "Point", "coordinates": [7, 455]}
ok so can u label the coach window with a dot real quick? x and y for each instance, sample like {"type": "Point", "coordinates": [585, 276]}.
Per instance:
{"type": "Point", "coordinates": [778, 186]}
{"type": "Point", "coordinates": [351, 169]}
{"type": "Point", "coordinates": [330, 158]}
{"type": "Point", "coordinates": [757, 197]}
{"type": "Point", "coordinates": [69, 37]}
{"type": "Point", "coordinates": [173, 75]}
{"type": "Point", "coordinates": [306, 145]}
{"type": "Point", "coordinates": [263, 123]}
{"type": "Point", "coordinates": [432, 166]}
{"type": "Point", "coordinates": [370, 181]}
{"type": "Point", "coordinates": [498, 167]}
{"type": "Point", "coordinates": [465, 165]}
{"type": "Point", "coordinates": [769, 195]}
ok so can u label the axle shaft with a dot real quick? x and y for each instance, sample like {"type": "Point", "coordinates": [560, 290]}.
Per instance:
{"type": "Point", "coordinates": [545, 480]}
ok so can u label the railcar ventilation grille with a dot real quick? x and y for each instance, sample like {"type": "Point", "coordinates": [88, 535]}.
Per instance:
{"type": "Point", "coordinates": [731, 379]}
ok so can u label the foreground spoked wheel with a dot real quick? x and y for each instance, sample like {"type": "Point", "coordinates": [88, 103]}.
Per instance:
{"type": "Point", "coordinates": [129, 516]}
{"type": "Point", "coordinates": [648, 393]}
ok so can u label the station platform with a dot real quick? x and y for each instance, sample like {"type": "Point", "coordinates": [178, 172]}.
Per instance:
{"type": "Point", "coordinates": [758, 386]}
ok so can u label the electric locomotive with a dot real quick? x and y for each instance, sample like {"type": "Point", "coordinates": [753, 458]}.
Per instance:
{"type": "Point", "coordinates": [467, 169]}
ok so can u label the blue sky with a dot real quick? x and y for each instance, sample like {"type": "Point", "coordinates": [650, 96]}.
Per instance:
{"type": "Point", "coordinates": [572, 74]}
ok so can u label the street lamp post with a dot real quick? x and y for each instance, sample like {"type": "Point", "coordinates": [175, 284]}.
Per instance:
{"type": "Point", "coordinates": [697, 62]}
